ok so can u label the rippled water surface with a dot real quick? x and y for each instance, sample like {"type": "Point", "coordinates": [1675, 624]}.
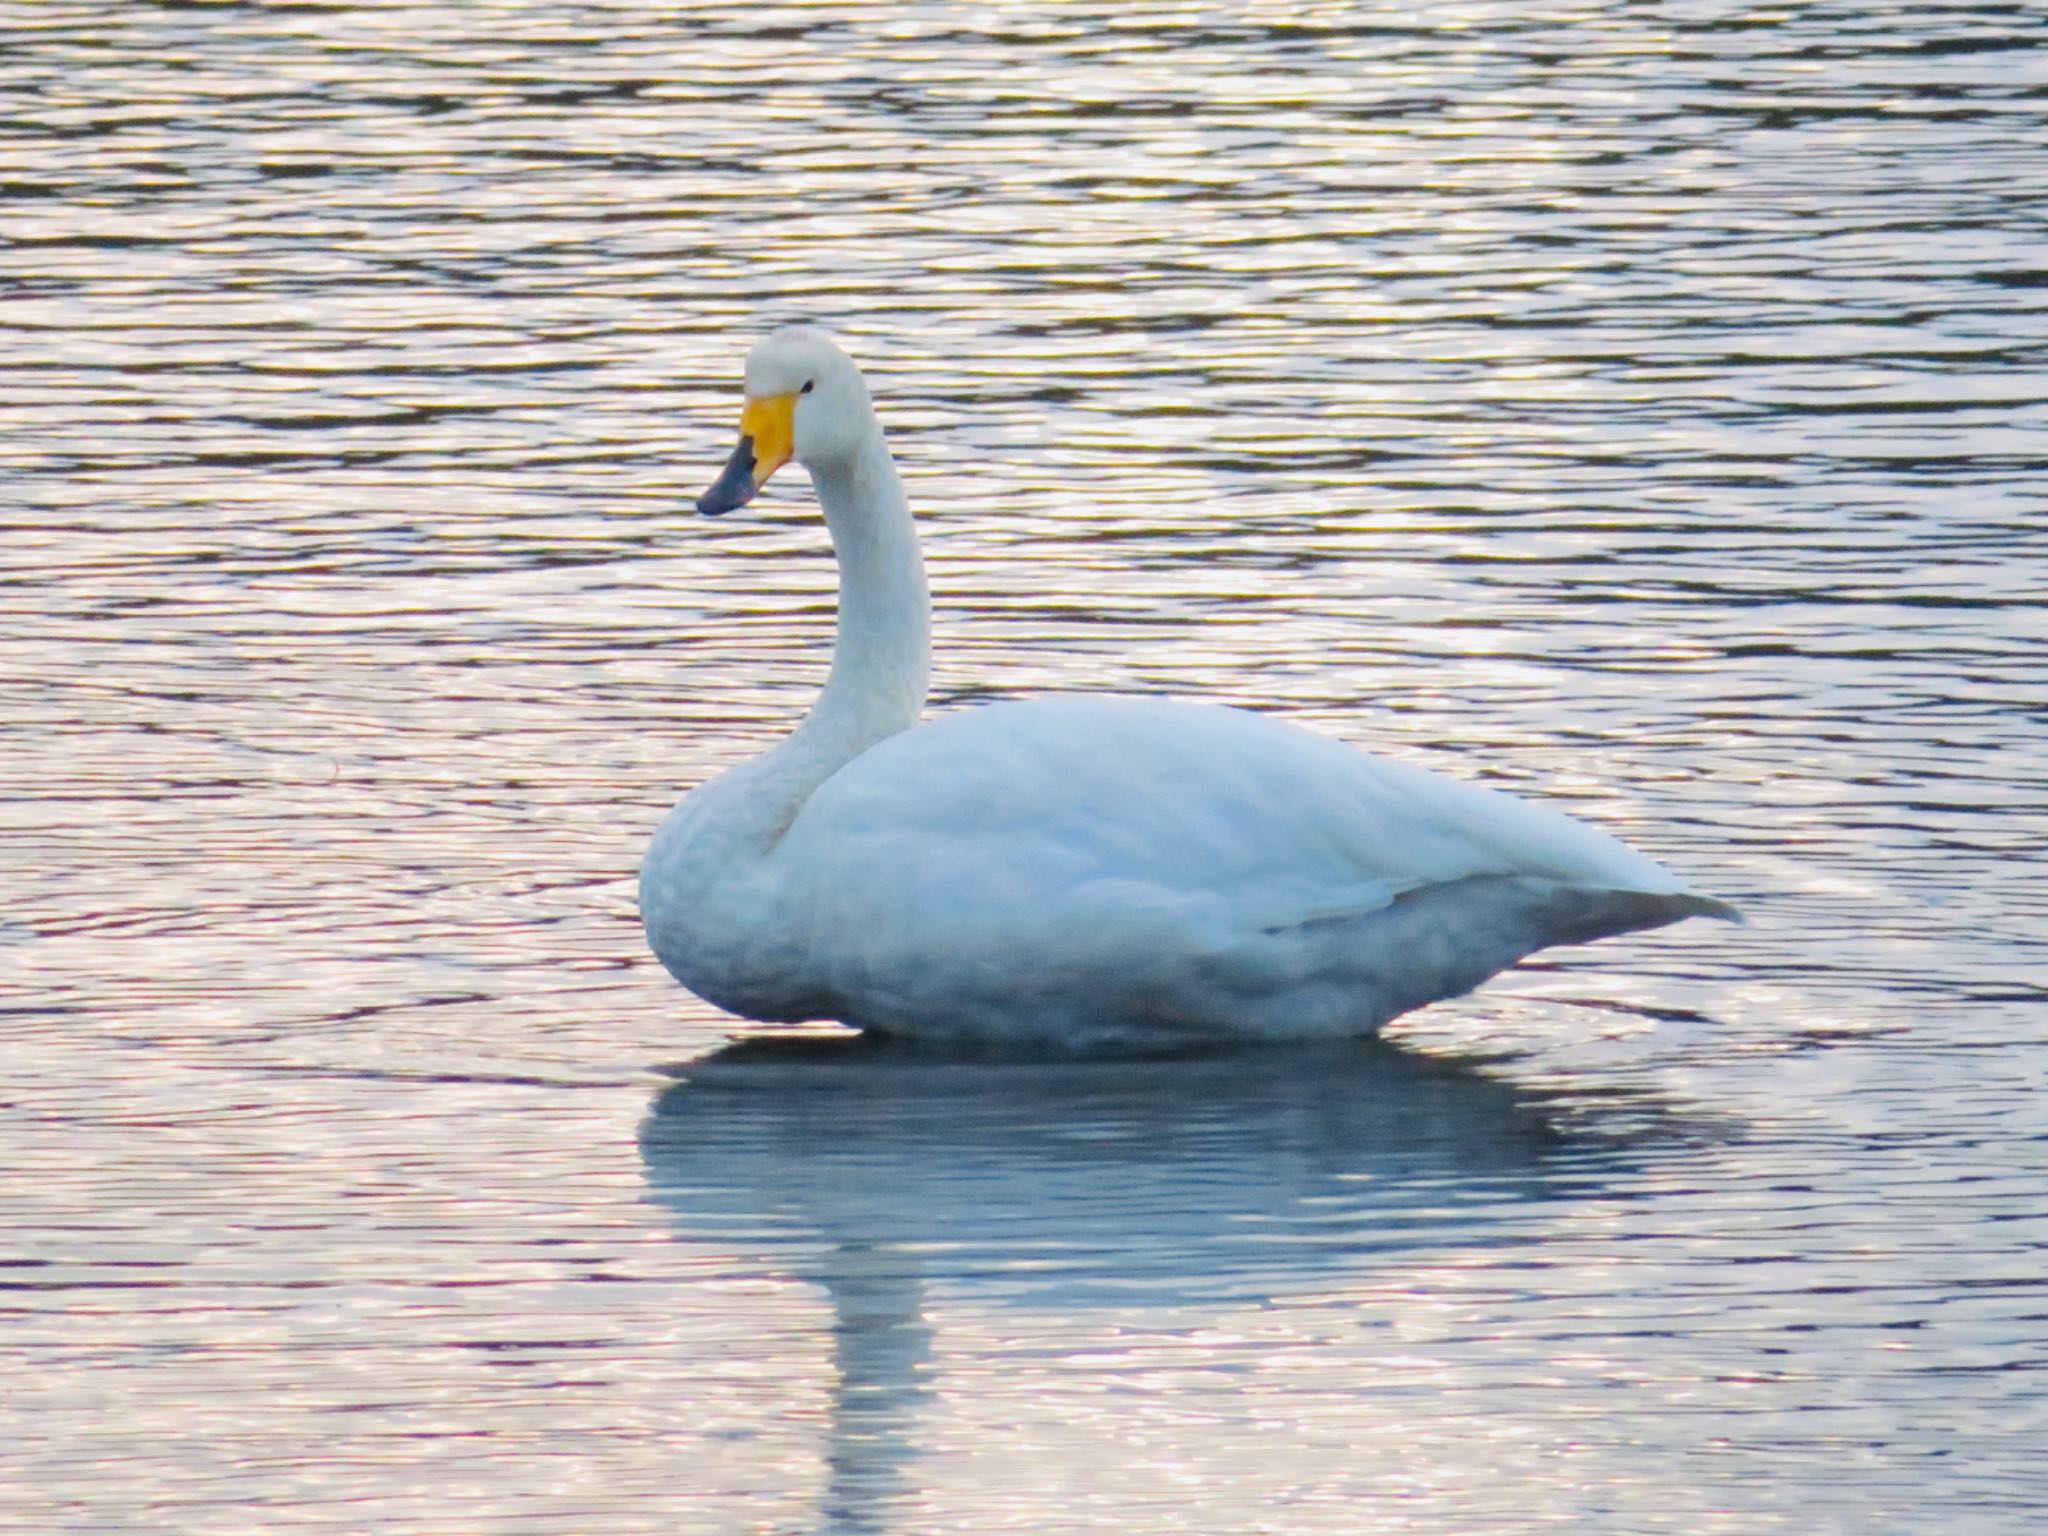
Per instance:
{"type": "Point", "coordinates": [1640, 406]}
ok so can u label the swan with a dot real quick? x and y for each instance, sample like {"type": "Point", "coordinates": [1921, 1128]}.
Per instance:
{"type": "Point", "coordinates": [1078, 872]}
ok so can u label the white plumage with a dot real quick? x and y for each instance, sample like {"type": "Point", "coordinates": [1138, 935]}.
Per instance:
{"type": "Point", "coordinates": [1080, 871]}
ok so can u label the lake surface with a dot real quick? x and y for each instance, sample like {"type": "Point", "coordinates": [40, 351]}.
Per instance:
{"type": "Point", "coordinates": [1640, 407]}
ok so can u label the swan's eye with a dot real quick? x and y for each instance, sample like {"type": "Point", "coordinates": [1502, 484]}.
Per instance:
{"type": "Point", "coordinates": [809, 385]}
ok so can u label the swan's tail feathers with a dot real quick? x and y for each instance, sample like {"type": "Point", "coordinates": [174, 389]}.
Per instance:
{"type": "Point", "coordinates": [1441, 940]}
{"type": "Point", "coordinates": [1686, 904]}
{"type": "Point", "coordinates": [1575, 915]}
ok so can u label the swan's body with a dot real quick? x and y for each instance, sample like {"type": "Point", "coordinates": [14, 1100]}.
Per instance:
{"type": "Point", "coordinates": [1080, 871]}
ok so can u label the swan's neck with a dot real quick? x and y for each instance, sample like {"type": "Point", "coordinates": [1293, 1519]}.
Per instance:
{"type": "Point", "coordinates": [881, 662]}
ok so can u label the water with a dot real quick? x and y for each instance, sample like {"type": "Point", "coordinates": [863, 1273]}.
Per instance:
{"type": "Point", "coordinates": [1637, 405]}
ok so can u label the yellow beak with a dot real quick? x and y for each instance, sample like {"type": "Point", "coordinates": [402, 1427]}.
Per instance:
{"type": "Point", "coordinates": [767, 437]}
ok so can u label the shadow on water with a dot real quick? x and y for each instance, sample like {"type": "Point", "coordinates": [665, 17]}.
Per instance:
{"type": "Point", "coordinates": [885, 1177]}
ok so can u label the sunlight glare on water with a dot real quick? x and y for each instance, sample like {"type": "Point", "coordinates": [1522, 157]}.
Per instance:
{"type": "Point", "coordinates": [1636, 407]}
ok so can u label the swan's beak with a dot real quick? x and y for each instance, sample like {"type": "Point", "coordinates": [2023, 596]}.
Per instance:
{"type": "Point", "coordinates": [767, 434]}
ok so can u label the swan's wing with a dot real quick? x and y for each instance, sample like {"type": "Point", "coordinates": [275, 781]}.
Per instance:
{"type": "Point", "coordinates": [1188, 798]}
{"type": "Point", "coordinates": [1172, 857]}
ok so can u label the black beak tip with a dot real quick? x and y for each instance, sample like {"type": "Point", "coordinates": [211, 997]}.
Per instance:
{"type": "Point", "coordinates": [713, 503]}
{"type": "Point", "coordinates": [734, 488]}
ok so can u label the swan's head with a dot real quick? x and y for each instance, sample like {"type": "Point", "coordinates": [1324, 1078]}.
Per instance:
{"type": "Point", "coordinates": [805, 401]}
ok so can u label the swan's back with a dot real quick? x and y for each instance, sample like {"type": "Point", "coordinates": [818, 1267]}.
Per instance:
{"type": "Point", "coordinates": [1132, 866]}
{"type": "Point", "coordinates": [1194, 794]}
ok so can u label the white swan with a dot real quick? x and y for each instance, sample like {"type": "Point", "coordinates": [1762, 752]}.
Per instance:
{"type": "Point", "coordinates": [1078, 871]}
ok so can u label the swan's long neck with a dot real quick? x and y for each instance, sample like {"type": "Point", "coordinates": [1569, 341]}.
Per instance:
{"type": "Point", "coordinates": [881, 660]}
{"type": "Point", "coordinates": [881, 666]}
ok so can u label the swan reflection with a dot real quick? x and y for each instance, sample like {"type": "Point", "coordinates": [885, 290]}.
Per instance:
{"type": "Point", "coordinates": [886, 1178]}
